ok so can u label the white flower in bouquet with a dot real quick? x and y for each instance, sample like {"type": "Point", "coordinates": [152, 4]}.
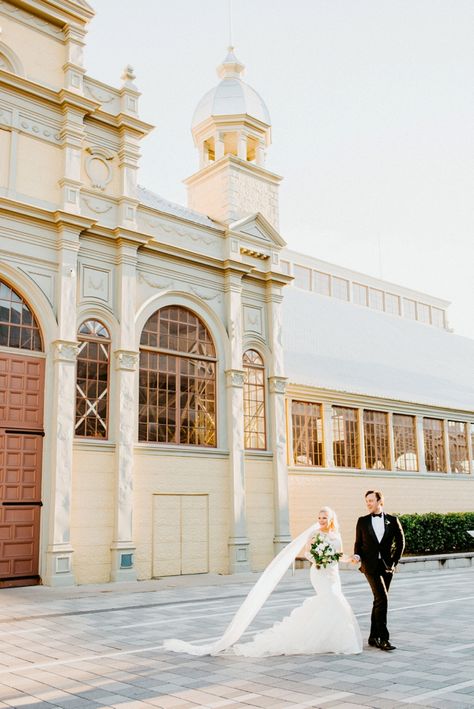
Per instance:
{"type": "Point", "coordinates": [323, 552]}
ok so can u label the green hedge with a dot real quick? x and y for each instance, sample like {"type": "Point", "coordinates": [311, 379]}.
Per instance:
{"type": "Point", "coordinates": [435, 533]}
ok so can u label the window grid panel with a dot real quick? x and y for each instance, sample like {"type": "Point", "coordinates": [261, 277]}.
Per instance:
{"type": "Point", "coordinates": [302, 276]}
{"type": "Point", "coordinates": [360, 294]}
{"type": "Point", "coordinates": [177, 392]}
{"type": "Point", "coordinates": [437, 317]}
{"type": "Point", "coordinates": [254, 401]}
{"type": "Point", "coordinates": [307, 433]}
{"type": "Point", "coordinates": [423, 312]}
{"type": "Point", "coordinates": [458, 451]}
{"type": "Point", "coordinates": [321, 283]}
{"type": "Point", "coordinates": [404, 442]}
{"type": "Point", "coordinates": [18, 326]}
{"type": "Point", "coordinates": [340, 288]}
{"type": "Point", "coordinates": [392, 303]}
{"type": "Point", "coordinates": [92, 381]}
{"type": "Point", "coordinates": [377, 452]}
{"type": "Point", "coordinates": [409, 308]}
{"type": "Point", "coordinates": [376, 299]}
{"type": "Point", "coordinates": [345, 435]}
{"type": "Point", "coordinates": [434, 445]}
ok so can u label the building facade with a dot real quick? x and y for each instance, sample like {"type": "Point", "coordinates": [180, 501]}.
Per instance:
{"type": "Point", "coordinates": [173, 395]}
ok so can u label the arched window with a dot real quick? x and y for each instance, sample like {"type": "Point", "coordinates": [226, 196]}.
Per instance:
{"type": "Point", "coordinates": [254, 401]}
{"type": "Point", "coordinates": [177, 390]}
{"type": "Point", "coordinates": [18, 326]}
{"type": "Point", "coordinates": [92, 380]}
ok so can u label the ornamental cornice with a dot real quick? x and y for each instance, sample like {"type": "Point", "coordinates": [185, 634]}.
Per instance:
{"type": "Point", "coordinates": [277, 385]}
{"type": "Point", "coordinates": [126, 360]}
{"type": "Point", "coordinates": [27, 18]}
{"type": "Point", "coordinates": [235, 378]}
{"type": "Point", "coordinates": [65, 351]}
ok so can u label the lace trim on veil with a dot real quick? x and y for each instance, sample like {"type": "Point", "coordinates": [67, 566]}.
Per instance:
{"type": "Point", "coordinates": [253, 602]}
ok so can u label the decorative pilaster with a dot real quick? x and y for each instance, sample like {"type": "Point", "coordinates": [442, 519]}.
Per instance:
{"type": "Point", "coordinates": [391, 441]}
{"type": "Point", "coordinates": [123, 547]}
{"type": "Point", "coordinates": [360, 424]}
{"type": "Point", "coordinates": [64, 350]}
{"type": "Point", "coordinates": [447, 452]}
{"type": "Point", "coordinates": [73, 68]}
{"type": "Point", "coordinates": [129, 152]}
{"type": "Point", "coordinates": [277, 423]}
{"type": "Point", "coordinates": [238, 542]}
{"type": "Point", "coordinates": [59, 550]}
{"type": "Point", "coordinates": [328, 444]}
{"type": "Point", "coordinates": [126, 364]}
{"type": "Point", "coordinates": [420, 444]}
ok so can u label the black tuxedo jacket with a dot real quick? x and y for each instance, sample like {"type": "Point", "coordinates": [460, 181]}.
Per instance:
{"type": "Point", "coordinates": [368, 547]}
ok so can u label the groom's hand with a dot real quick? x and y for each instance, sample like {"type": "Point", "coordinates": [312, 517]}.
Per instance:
{"type": "Point", "coordinates": [354, 559]}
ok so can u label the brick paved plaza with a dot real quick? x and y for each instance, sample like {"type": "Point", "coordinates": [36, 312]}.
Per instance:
{"type": "Point", "coordinates": [96, 646]}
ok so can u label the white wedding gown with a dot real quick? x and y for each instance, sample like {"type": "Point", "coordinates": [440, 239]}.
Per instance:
{"type": "Point", "coordinates": [323, 623]}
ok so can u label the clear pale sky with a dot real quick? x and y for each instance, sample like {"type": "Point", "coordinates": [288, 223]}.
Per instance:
{"type": "Point", "coordinates": [372, 120]}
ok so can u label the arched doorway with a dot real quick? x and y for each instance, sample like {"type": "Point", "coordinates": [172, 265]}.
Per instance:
{"type": "Point", "coordinates": [21, 439]}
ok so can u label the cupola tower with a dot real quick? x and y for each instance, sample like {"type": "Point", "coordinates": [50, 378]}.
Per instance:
{"type": "Point", "coordinates": [231, 128]}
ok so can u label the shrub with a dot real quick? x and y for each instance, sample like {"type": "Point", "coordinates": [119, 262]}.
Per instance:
{"type": "Point", "coordinates": [436, 533]}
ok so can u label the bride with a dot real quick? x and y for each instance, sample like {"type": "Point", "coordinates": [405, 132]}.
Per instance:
{"type": "Point", "coordinates": [323, 623]}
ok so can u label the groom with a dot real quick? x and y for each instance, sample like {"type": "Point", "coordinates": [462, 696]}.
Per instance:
{"type": "Point", "coordinates": [378, 546]}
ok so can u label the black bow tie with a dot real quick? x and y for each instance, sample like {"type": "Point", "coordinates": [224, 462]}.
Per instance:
{"type": "Point", "coordinates": [377, 515]}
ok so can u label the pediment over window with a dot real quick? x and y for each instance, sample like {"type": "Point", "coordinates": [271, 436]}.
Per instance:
{"type": "Point", "coordinates": [257, 227]}
{"type": "Point", "coordinates": [9, 60]}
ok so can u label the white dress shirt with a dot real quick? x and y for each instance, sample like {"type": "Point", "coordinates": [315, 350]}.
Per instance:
{"type": "Point", "coordinates": [378, 523]}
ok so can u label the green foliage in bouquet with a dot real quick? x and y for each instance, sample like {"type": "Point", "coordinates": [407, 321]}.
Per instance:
{"type": "Point", "coordinates": [323, 552]}
{"type": "Point", "coordinates": [436, 533]}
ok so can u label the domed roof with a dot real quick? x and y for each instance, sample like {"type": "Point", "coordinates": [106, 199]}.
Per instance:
{"type": "Point", "coordinates": [231, 96]}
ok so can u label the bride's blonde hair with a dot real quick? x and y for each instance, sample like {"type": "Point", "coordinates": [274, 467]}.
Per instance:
{"type": "Point", "coordinates": [332, 518]}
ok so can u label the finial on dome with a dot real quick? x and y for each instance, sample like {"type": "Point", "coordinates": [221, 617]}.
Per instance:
{"type": "Point", "coordinates": [128, 77]}
{"type": "Point", "coordinates": [231, 67]}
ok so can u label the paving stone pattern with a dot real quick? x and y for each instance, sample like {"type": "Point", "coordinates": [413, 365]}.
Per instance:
{"type": "Point", "coordinates": [101, 646]}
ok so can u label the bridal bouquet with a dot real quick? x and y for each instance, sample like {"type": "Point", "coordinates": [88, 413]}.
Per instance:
{"type": "Point", "coordinates": [323, 553]}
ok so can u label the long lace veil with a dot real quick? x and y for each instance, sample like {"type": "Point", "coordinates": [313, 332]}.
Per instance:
{"type": "Point", "coordinates": [253, 602]}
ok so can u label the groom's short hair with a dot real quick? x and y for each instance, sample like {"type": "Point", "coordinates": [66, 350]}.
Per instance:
{"type": "Point", "coordinates": [377, 493]}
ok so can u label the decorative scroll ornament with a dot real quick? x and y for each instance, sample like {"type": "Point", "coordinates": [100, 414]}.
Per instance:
{"type": "Point", "coordinates": [98, 168]}
{"type": "Point", "coordinates": [278, 385]}
{"type": "Point", "coordinates": [235, 378]}
{"type": "Point", "coordinates": [65, 350]}
{"type": "Point", "coordinates": [126, 359]}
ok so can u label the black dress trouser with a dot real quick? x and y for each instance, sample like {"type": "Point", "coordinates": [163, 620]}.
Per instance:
{"type": "Point", "coordinates": [379, 583]}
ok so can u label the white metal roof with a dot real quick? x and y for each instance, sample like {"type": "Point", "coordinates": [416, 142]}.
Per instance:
{"type": "Point", "coordinates": [349, 348]}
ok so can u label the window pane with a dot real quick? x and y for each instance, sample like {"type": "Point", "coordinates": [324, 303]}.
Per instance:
{"type": "Point", "coordinates": [360, 294]}
{"type": "Point", "coordinates": [177, 392]}
{"type": "Point", "coordinates": [307, 433]}
{"type": "Point", "coordinates": [254, 401]}
{"type": "Point", "coordinates": [321, 282]}
{"type": "Point", "coordinates": [340, 288]}
{"type": "Point", "coordinates": [345, 435]}
{"type": "Point", "coordinates": [457, 434]}
{"type": "Point", "coordinates": [392, 304]}
{"type": "Point", "coordinates": [18, 327]}
{"type": "Point", "coordinates": [377, 454]}
{"type": "Point", "coordinates": [409, 309]}
{"type": "Point", "coordinates": [434, 445]}
{"type": "Point", "coordinates": [92, 375]}
{"type": "Point", "coordinates": [302, 277]}
{"type": "Point", "coordinates": [376, 299]}
{"type": "Point", "coordinates": [423, 312]}
{"type": "Point", "coordinates": [437, 317]}
{"type": "Point", "coordinates": [404, 442]}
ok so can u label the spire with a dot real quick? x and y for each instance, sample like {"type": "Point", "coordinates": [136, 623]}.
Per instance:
{"type": "Point", "coordinates": [231, 67]}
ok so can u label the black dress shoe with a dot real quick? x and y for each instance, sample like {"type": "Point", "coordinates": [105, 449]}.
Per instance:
{"type": "Point", "coordinates": [386, 645]}
{"type": "Point", "coordinates": [374, 642]}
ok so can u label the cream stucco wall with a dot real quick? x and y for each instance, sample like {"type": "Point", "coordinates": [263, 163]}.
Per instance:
{"type": "Point", "coordinates": [41, 55]}
{"type": "Point", "coordinates": [345, 494]}
{"type": "Point", "coordinates": [259, 507]}
{"type": "Point", "coordinates": [92, 513]}
{"type": "Point", "coordinates": [31, 179]}
{"type": "Point", "coordinates": [5, 137]}
{"type": "Point", "coordinates": [156, 473]}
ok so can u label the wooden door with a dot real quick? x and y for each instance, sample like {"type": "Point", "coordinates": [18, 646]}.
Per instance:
{"type": "Point", "coordinates": [21, 445]}
{"type": "Point", "coordinates": [180, 535]}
